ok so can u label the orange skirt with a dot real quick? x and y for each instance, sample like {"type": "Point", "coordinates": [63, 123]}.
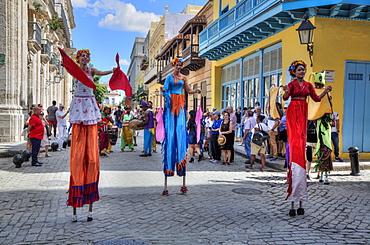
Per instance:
{"type": "Point", "coordinates": [84, 166]}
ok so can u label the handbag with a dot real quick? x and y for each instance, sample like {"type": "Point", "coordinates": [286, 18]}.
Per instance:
{"type": "Point", "coordinates": [48, 132]}
{"type": "Point", "coordinates": [260, 136]}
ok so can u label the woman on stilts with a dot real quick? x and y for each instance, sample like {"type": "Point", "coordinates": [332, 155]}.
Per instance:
{"type": "Point", "coordinates": [84, 155]}
{"type": "Point", "coordinates": [297, 114]}
{"type": "Point", "coordinates": [174, 117]}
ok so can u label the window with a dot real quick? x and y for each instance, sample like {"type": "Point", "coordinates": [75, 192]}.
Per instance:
{"type": "Point", "coordinates": [224, 10]}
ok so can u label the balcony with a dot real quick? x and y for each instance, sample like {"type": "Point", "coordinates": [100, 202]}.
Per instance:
{"type": "Point", "coordinates": [142, 91]}
{"type": "Point", "coordinates": [250, 21]}
{"type": "Point", "coordinates": [144, 65]}
{"type": "Point", "coordinates": [45, 51]}
{"type": "Point", "coordinates": [192, 61]}
{"type": "Point", "coordinates": [54, 63]}
{"type": "Point", "coordinates": [63, 20]}
{"type": "Point", "coordinates": [151, 75]}
{"type": "Point", "coordinates": [34, 37]}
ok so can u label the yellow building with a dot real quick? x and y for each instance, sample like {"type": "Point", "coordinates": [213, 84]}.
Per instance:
{"type": "Point", "coordinates": [253, 42]}
{"type": "Point", "coordinates": [165, 31]}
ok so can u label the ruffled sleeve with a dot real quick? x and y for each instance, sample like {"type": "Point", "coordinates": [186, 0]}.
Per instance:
{"type": "Point", "coordinates": [166, 93]}
{"type": "Point", "coordinates": [290, 90]}
{"type": "Point", "coordinates": [313, 94]}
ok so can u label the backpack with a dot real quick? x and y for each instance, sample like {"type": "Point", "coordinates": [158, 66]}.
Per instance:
{"type": "Point", "coordinates": [260, 136]}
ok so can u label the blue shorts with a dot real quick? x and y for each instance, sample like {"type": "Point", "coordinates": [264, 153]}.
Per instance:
{"type": "Point", "coordinates": [118, 124]}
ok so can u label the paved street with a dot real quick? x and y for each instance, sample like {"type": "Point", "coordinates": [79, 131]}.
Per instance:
{"type": "Point", "coordinates": [224, 205]}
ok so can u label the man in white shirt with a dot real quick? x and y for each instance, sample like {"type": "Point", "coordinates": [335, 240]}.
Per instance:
{"type": "Point", "coordinates": [256, 149]}
{"type": "Point", "coordinates": [62, 125]}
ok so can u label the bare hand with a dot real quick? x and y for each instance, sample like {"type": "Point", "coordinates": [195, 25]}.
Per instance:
{"type": "Point", "coordinates": [114, 68]}
{"type": "Point", "coordinates": [199, 91]}
{"type": "Point", "coordinates": [162, 89]}
{"type": "Point", "coordinates": [328, 89]}
{"type": "Point", "coordinates": [285, 88]}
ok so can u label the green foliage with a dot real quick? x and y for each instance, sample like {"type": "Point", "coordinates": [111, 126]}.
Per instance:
{"type": "Point", "coordinates": [54, 23]}
{"type": "Point", "coordinates": [100, 90]}
{"type": "Point", "coordinates": [37, 6]}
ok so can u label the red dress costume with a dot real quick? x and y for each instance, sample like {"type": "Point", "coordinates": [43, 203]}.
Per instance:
{"type": "Point", "coordinates": [296, 116]}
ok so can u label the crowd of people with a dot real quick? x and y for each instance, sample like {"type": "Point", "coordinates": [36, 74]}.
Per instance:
{"type": "Point", "coordinates": [95, 128]}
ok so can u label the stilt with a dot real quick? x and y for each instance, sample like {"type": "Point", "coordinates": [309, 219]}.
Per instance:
{"type": "Point", "coordinates": [300, 210]}
{"type": "Point", "coordinates": [165, 191]}
{"type": "Point", "coordinates": [183, 189]}
{"type": "Point", "coordinates": [90, 215]}
{"type": "Point", "coordinates": [74, 215]}
{"type": "Point", "coordinates": [292, 210]}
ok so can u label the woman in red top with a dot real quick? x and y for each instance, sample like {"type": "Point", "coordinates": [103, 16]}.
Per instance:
{"type": "Point", "coordinates": [296, 115]}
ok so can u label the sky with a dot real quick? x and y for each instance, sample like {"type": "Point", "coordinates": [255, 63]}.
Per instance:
{"type": "Point", "coordinates": [107, 27]}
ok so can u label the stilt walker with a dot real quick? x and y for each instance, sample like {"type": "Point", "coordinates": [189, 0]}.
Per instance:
{"type": "Point", "coordinates": [323, 112]}
{"type": "Point", "coordinates": [174, 145]}
{"type": "Point", "coordinates": [297, 118]}
{"type": "Point", "coordinates": [84, 116]}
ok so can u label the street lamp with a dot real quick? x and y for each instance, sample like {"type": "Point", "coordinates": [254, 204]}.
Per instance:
{"type": "Point", "coordinates": [305, 31]}
{"type": "Point", "coordinates": [57, 78]}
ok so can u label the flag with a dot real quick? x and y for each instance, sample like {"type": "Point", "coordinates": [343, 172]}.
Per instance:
{"type": "Point", "coordinates": [75, 70]}
{"type": "Point", "coordinates": [198, 121]}
{"type": "Point", "coordinates": [119, 80]}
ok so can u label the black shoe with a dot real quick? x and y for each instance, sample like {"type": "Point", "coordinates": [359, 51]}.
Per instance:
{"type": "Point", "coordinates": [191, 160]}
{"type": "Point", "coordinates": [300, 211]}
{"type": "Point", "coordinates": [40, 163]}
{"type": "Point", "coordinates": [36, 164]}
{"type": "Point", "coordinates": [200, 158]}
{"type": "Point", "coordinates": [247, 162]}
{"type": "Point", "coordinates": [89, 218]}
{"type": "Point", "coordinates": [149, 154]}
{"type": "Point", "coordinates": [143, 155]}
{"type": "Point", "coordinates": [292, 212]}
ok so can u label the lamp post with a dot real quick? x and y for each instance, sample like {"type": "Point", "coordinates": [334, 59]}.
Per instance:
{"type": "Point", "coordinates": [305, 31]}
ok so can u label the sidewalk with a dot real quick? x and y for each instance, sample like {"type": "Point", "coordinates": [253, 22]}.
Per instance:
{"type": "Point", "coordinates": [279, 164]}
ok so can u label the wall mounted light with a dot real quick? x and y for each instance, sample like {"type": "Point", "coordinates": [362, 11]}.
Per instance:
{"type": "Point", "coordinates": [305, 31]}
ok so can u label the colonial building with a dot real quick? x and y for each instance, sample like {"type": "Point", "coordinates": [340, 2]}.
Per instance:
{"type": "Point", "coordinates": [136, 57]}
{"type": "Point", "coordinates": [30, 64]}
{"type": "Point", "coordinates": [197, 69]}
{"type": "Point", "coordinates": [253, 42]}
{"type": "Point", "coordinates": [165, 30]}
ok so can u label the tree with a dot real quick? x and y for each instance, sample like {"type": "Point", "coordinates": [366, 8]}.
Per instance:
{"type": "Point", "coordinates": [100, 90]}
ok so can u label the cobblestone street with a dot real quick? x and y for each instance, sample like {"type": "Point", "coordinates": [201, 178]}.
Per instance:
{"type": "Point", "coordinates": [224, 205]}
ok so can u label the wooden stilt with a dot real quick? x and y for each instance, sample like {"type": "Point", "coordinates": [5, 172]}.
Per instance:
{"type": "Point", "coordinates": [183, 189]}
{"type": "Point", "coordinates": [165, 191]}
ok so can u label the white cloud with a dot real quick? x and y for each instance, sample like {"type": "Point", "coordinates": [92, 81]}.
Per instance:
{"type": "Point", "coordinates": [120, 16]}
{"type": "Point", "coordinates": [124, 62]}
{"type": "Point", "coordinates": [79, 3]}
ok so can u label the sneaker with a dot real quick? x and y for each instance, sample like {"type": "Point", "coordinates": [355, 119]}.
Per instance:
{"type": "Point", "coordinates": [338, 159]}
{"type": "Point", "coordinates": [273, 159]}
{"type": "Point", "coordinates": [240, 144]}
{"type": "Point", "coordinates": [133, 150]}
{"type": "Point", "coordinates": [62, 149]}
{"type": "Point", "coordinates": [215, 161]}
{"type": "Point", "coordinates": [59, 149]}
{"type": "Point", "coordinates": [122, 150]}
{"type": "Point", "coordinates": [211, 160]}
{"type": "Point", "coordinates": [154, 151]}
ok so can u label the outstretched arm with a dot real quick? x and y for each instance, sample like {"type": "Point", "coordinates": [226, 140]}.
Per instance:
{"type": "Point", "coordinates": [190, 91]}
{"type": "Point", "coordinates": [101, 73]}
